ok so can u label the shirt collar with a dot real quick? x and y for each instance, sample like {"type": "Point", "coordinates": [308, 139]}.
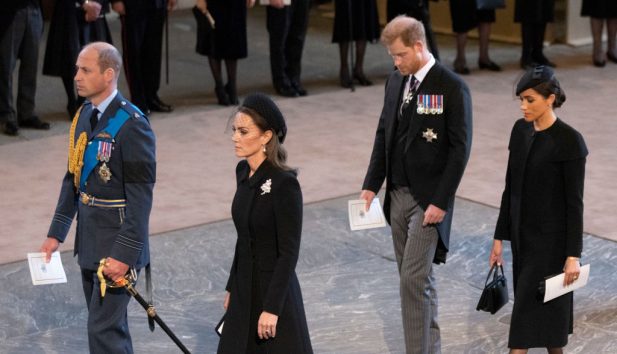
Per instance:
{"type": "Point", "coordinates": [105, 103]}
{"type": "Point", "coordinates": [421, 74]}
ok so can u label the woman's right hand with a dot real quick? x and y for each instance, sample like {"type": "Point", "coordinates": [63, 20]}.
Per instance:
{"type": "Point", "coordinates": [496, 254]}
{"type": "Point", "coordinates": [202, 5]}
{"type": "Point", "coordinates": [226, 303]}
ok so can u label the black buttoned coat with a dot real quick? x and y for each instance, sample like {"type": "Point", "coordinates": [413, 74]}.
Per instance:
{"type": "Point", "coordinates": [267, 213]}
{"type": "Point", "coordinates": [434, 169]}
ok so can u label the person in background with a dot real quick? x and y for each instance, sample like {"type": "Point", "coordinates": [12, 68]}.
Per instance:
{"type": "Point", "coordinates": [21, 26]}
{"type": "Point", "coordinates": [142, 42]}
{"type": "Point", "coordinates": [418, 9]}
{"type": "Point", "coordinates": [421, 147]}
{"type": "Point", "coordinates": [108, 184]}
{"type": "Point", "coordinates": [600, 12]}
{"type": "Point", "coordinates": [541, 213]}
{"type": "Point", "coordinates": [465, 17]}
{"type": "Point", "coordinates": [533, 15]}
{"type": "Point", "coordinates": [265, 312]}
{"type": "Point", "coordinates": [287, 26]}
{"type": "Point", "coordinates": [359, 26]}
{"type": "Point", "coordinates": [227, 42]}
{"type": "Point", "coordinates": [70, 29]}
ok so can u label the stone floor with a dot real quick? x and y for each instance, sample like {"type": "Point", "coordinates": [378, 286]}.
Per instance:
{"type": "Point", "coordinates": [349, 283]}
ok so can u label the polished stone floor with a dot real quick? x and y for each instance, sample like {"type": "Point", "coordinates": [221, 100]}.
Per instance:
{"type": "Point", "coordinates": [349, 282]}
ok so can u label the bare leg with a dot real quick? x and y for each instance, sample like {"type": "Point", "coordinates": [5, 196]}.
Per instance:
{"type": "Point", "coordinates": [597, 25]}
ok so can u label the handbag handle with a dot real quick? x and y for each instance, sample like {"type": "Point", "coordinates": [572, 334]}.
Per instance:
{"type": "Point", "coordinates": [493, 269]}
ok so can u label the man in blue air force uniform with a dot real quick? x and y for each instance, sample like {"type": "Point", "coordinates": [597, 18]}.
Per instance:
{"type": "Point", "coordinates": [109, 185]}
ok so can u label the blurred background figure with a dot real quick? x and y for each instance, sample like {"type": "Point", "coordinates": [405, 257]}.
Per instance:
{"type": "Point", "coordinates": [419, 10]}
{"type": "Point", "coordinates": [465, 17]}
{"type": "Point", "coordinates": [21, 25]}
{"type": "Point", "coordinates": [70, 29]}
{"type": "Point", "coordinates": [227, 42]}
{"type": "Point", "coordinates": [533, 15]}
{"type": "Point", "coordinates": [601, 11]}
{"type": "Point", "coordinates": [354, 21]}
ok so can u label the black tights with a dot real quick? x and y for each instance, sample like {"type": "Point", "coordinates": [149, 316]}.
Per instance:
{"type": "Point", "coordinates": [344, 53]}
{"type": "Point", "coordinates": [231, 66]}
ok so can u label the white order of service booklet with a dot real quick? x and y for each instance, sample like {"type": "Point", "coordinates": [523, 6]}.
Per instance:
{"type": "Point", "coordinates": [267, 2]}
{"type": "Point", "coordinates": [554, 285]}
{"type": "Point", "coordinates": [46, 273]}
{"type": "Point", "coordinates": [361, 219]}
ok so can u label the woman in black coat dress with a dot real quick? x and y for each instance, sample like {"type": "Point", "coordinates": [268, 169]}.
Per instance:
{"type": "Point", "coordinates": [227, 42]}
{"type": "Point", "coordinates": [601, 11]}
{"type": "Point", "coordinates": [465, 17]}
{"type": "Point", "coordinates": [359, 25]}
{"type": "Point", "coordinates": [541, 213]}
{"type": "Point", "coordinates": [265, 312]}
{"type": "Point", "coordinates": [71, 28]}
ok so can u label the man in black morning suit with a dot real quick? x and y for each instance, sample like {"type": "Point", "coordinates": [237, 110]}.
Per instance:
{"type": "Point", "coordinates": [109, 186]}
{"type": "Point", "coordinates": [421, 148]}
{"type": "Point", "coordinates": [142, 41]}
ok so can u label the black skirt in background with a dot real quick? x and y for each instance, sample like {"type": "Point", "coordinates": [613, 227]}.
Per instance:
{"type": "Point", "coordinates": [466, 16]}
{"type": "Point", "coordinates": [365, 21]}
{"type": "Point", "coordinates": [599, 8]}
{"type": "Point", "coordinates": [228, 39]}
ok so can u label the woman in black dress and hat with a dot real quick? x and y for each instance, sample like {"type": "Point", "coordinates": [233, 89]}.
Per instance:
{"type": "Point", "coordinates": [354, 21]}
{"type": "Point", "coordinates": [541, 213]}
{"type": "Point", "coordinates": [265, 312]}
{"type": "Point", "coordinates": [226, 42]}
{"type": "Point", "coordinates": [601, 11]}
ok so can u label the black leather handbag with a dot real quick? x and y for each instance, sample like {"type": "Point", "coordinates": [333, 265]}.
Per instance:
{"type": "Point", "coordinates": [495, 293]}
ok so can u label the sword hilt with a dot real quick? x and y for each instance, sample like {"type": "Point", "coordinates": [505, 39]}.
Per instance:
{"type": "Point", "coordinates": [129, 279]}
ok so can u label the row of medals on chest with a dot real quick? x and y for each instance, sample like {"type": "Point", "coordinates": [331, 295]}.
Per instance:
{"type": "Point", "coordinates": [427, 104]}
{"type": "Point", "coordinates": [103, 155]}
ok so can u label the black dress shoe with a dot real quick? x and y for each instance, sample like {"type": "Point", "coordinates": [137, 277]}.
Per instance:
{"type": "Point", "coordinates": [362, 79]}
{"type": "Point", "coordinates": [345, 79]}
{"type": "Point", "coordinates": [231, 93]}
{"type": "Point", "coordinates": [286, 91]}
{"type": "Point", "coordinates": [297, 86]}
{"type": "Point", "coordinates": [35, 123]}
{"type": "Point", "coordinates": [611, 57]}
{"type": "Point", "coordinates": [11, 129]}
{"type": "Point", "coordinates": [490, 65]}
{"type": "Point", "coordinates": [599, 63]}
{"type": "Point", "coordinates": [221, 95]}
{"type": "Point", "coordinates": [157, 105]}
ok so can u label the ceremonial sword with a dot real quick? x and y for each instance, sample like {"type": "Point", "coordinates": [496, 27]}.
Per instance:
{"type": "Point", "coordinates": [128, 282]}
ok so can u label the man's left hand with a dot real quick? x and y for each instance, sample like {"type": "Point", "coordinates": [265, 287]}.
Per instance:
{"type": "Point", "coordinates": [433, 215]}
{"type": "Point", "coordinates": [114, 269]}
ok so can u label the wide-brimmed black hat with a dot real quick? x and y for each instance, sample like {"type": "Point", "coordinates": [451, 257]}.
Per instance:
{"type": "Point", "coordinates": [265, 107]}
{"type": "Point", "coordinates": [534, 77]}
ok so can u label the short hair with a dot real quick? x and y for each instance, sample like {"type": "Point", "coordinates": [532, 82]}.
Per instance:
{"type": "Point", "coordinates": [108, 56]}
{"type": "Point", "coordinates": [408, 29]}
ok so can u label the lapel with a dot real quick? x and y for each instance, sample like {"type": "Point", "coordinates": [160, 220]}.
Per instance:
{"type": "Point", "coordinates": [416, 119]}
{"type": "Point", "coordinates": [393, 101]}
{"type": "Point", "coordinates": [109, 113]}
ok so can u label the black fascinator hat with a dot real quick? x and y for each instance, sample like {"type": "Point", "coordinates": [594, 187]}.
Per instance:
{"type": "Point", "coordinates": [266, 108]}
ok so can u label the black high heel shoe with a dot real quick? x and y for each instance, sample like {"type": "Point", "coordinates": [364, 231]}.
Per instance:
{"type": "Point", "coordinates": [345, 79]}
{"type": "Point", "coordinates": [490, 65]}
{"type": "Point", "coordinates": [362, 79]}
{"type": "Point", "coordinates": [231, 93]}
{"type": "Point", "coordinates": [221, 95]}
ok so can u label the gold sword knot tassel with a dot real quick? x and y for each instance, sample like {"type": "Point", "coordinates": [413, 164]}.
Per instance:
{"type": "Point", "coordinates": [101, 276]}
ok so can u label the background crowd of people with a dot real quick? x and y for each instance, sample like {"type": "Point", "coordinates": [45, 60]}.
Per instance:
{"type": "Point", "coordinates": [74, 23]}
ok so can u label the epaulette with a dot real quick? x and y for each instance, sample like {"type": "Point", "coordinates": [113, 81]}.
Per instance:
{"type": "Point", "coordinates": [132, 110]}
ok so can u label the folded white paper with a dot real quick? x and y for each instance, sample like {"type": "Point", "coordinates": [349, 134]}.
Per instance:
{"type": "Point", "coordinates": [46, 273]}
{"type": "Point", "coordinates": [267, 2]}
{"type": "Point", "coordinates": [555, 288]}
{"type": "Point", "coordinates": [361, 219]}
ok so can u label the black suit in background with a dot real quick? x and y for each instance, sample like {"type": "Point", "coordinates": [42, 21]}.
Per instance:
{"type": "Point", "coordinates": [533, 15]}
{"type": "Point", "coordinates": [263, 276]}
{"type": "Point", "coordinates": [142, 38]}
{"type": "Point", "coordinates": [541, 214]}
{"type": "Point", "coordinates": [287, 30]}
{"type": "Point", "coordinates": [418, 9]}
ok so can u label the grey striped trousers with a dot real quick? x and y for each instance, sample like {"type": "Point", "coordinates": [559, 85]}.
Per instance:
{"type": "Point", "coordinates": [414, 247]}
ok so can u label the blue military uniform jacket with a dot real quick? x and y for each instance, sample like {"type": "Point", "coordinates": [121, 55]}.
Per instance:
{"type": "Point", "coordinates": [117, 232]}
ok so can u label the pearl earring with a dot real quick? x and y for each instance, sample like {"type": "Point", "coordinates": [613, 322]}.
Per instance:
{"type": "Point", "coordinates": [263, 148]}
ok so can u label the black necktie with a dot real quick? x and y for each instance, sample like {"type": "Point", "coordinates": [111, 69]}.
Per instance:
{"type": "Point", "coordinates": [94, 119]}
{"type": "Point", "coordinates": [413, 87]}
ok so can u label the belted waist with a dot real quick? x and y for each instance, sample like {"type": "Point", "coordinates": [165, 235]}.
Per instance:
{"type": "Point", "coordinates": [90, 200]}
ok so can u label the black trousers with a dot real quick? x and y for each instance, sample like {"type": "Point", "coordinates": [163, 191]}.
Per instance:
{"type": "Point", "coordinates": [532, 35]}
{"type": "Point", "coordinates": [142, 42]}
{"type": "Point", "coordinates": [287, 30]}
{"type": "Point", "coordinates": [419, 10]}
